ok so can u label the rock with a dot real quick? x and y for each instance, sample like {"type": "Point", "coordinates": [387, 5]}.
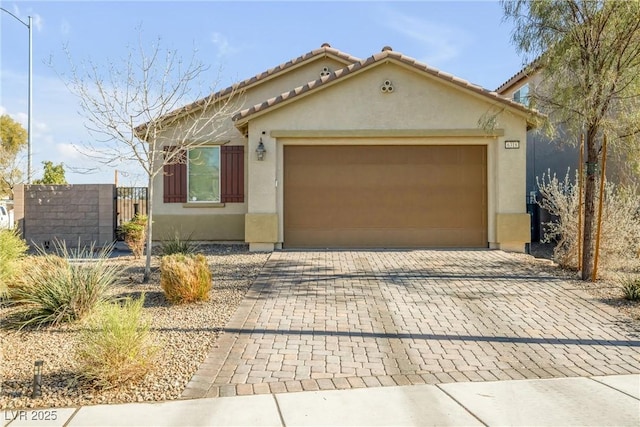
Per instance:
{"type": "Point", "coordinates": [185, 334]}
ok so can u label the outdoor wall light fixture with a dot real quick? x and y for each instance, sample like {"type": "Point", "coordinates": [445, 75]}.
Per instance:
{"type": "Point", "coordinates": [260, 151]}
{"type": "Point", "coordinates": [37, 379]}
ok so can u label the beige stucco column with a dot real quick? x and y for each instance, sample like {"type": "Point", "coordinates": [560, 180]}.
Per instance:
{"type": "Point", "coordinates": [512, 224]}
{"type": "Point", "coordinates": [261, 220]}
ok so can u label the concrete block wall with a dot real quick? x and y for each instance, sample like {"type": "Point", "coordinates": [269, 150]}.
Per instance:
{"type": "Point", "coordinates": [76, 214]}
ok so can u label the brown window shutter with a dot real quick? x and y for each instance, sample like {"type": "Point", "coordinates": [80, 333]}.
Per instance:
{"type": "Point", "coordinates": [232, 174]}
{"type": "Point", "coordinates": [175, 179]}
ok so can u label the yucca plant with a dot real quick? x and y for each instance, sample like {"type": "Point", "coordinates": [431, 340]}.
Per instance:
{"type": "Point", "coordinates": [185, 278]}
{"type": "Point", "coordinates": [631, 288]}
{"type": "Point", "coordinates": [12, 249]}
{"type": "Point", "coordinates": [116, 348]}
{"type": "Point", "coordinates": [64, 287]}
{"type": "Point", "coordinates": [176, 245]}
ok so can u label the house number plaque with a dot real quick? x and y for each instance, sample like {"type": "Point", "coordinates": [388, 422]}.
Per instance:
{"type": "Point", "coordinates": [512, 145]}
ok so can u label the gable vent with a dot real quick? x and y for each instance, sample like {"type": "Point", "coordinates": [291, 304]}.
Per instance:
{"type": "Point", "coordinates": [325, 72]}
{"type": "Point", "coordinates": [387, 87]}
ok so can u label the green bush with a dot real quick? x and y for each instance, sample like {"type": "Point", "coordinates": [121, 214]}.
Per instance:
{"type": "Point", "coordinates": [116, 346]}
{"type": "Point", "coordinates": [62, 288]}
{"type": "Point", "coordinates": [176, 245]}
{"type": "Point", "coordinates": [135, 234]}
{"type": "Point", "coordinates": [12, 249]}
{"type": "Point", "coordinates": [185, 278]}
{"type": "Point", "coordinates": [631, 288]}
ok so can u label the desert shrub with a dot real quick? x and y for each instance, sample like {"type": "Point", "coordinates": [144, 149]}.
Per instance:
{"type": "Point", "coordinates": [620, 236]}
{"type": "Point", "coordinates": [63, 287]}
{"type": "Point", "coordinates": [44, 266]}
{"type": "Point", "coordinates": [631, 288]}
{"type": "Point", "coordinates": [185, 278]}
{"type": "Point", "coordinates": [135, 234]}
{"type": "Point", "coordinates": [116, 348]}
{"type": "Point", "coordinates": [176, 245]}
{"type": "Point", "coordinates": [12, 250]}
{"type": "Point", "coordinates": [561, 198]}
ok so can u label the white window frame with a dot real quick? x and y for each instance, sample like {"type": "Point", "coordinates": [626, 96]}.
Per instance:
{"type": "Point", "coordinates": [517, 97]}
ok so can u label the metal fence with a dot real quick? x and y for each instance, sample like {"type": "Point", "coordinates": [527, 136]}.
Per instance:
{"type": "Point", "coordinates": [130, 201]}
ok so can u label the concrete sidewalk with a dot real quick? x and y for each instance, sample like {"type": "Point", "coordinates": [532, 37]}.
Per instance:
{"type": "Point", "coordinates": [597, 401]}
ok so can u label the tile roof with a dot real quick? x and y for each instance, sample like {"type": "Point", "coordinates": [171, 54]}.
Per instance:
{"type": "Point", "coordinates": [525, 72]}
{"type": "Point", "coordinates": [386, 54]}
{"type": "Point", "coordinates": [324, 50]}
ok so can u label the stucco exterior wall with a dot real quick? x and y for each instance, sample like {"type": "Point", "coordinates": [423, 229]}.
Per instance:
{"type": "Point", "coordinates": [418, 102]}
{"type": "Point", "coordinates": [293, 77]}
{"type": "Point", "coordinates": [196, 220]}
{"type": "Point", "coordinates": [532, 81]}
{"type": "Point", "coordinates": [199, 227]}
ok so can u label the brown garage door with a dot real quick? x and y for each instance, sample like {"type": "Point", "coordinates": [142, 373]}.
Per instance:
{"type": "Point", "coordinates": [385, 196]}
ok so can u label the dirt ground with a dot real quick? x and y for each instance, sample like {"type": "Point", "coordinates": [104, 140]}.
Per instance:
{"type": "Point", "coordinates": [607, 289]}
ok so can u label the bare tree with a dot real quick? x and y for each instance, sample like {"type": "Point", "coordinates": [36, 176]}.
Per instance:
{"type": "Point", "coordinates": [136, 107]}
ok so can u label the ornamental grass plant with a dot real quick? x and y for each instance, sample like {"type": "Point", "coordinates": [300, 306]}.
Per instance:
{"type": "Point", "coordinates": [630, 287]}
{"type": "Point", "coordinates": [12, 249]}
{"type": "Point", "coordinates": [115, 348]}
{"type": "Point", "coordinates": [64, 287]}
{"type": "Point", "coordinates": [185, 278]}
{"type": "Point", "coordinates": [176, 245]}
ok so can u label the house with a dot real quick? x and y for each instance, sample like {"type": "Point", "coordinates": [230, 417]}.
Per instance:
{"type": "Point", "coordinates": [544, 155]}
{"type": "Point", "coordinates": [332, 151]}
{"type": "Point", "coordinates": [556, 155]}
{"type": "Point", "coordinates": [549, 156]}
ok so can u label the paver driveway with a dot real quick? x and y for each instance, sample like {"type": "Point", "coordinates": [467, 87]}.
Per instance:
{"type": "Point", "coordinates": [346, 319]}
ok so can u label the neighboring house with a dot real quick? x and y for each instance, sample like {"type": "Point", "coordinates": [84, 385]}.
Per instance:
{"type": "Point", "coordinates": [384, 152]}
{"type": "Point", "coordinates": [546, 155]}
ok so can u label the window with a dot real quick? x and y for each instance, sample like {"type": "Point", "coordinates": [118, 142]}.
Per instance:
{"type": "Point", "coordinates": [203, 174]}
{"type": "Point", "coordinates": [522, 95]}
{"type": "Point", "coordinates": [215, 175]}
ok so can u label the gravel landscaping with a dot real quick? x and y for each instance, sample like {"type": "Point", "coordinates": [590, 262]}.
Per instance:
{"type": "Point", "coordinates": [184, 334]}
{"type": "Point", "coordinates": [607, 289]}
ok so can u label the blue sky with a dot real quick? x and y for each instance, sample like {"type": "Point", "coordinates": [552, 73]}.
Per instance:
{"type": "Point", "coordinates": [242, 38]}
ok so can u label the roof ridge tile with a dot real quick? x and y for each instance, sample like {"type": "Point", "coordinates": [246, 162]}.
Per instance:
{"type": "Point", "coordinates": [377, 57]}
{"type": "Point", "coordinates": [326, 48]}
